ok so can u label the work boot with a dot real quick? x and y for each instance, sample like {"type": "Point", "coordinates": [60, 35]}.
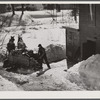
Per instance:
{"type": "Point", "coordinates": [40, 70]}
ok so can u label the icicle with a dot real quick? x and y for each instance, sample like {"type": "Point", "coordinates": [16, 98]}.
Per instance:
{"type": "Point", "coordinates": [91, 14]}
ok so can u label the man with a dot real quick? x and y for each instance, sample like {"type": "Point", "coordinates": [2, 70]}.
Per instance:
{"type": "Point", "coordinates": [42, 56]}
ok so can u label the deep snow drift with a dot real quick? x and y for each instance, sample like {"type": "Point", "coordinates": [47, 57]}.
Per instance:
{"type": "Point", "coordinates": [55, 79]}
{"type": "Point", "coordinates": [82, 76]}
{"type": "Point", "coordinates": [6, 85]}
{"type": "Point", "coordinates": [90, 72]}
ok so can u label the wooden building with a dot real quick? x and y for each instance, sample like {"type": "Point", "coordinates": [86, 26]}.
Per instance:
{"type": "Point", "coordinates": [89, 26]}
{"type": "Point", "coordinates": [89, 31]}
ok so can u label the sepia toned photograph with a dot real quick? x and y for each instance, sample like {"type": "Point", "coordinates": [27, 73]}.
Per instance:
{"type": "Point", "coordinates": [49, 47]}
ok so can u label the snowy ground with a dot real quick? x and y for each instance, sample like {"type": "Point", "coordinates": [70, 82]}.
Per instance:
{"type": "Point", "coordinates": [55, 79]}
{"type": "Point", "coordinates": [37, 30]}
{"type": "Point", "coordinates": [37, 27]}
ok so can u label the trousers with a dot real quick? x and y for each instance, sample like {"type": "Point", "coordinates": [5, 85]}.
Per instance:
{"type": "Point", "coordinates": [46, 61]}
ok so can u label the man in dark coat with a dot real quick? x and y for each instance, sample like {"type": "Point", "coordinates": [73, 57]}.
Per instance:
{"type": "Point", "coordinates": [42, 56]}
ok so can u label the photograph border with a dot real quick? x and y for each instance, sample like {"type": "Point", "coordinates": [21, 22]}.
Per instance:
{"type": "Point", "coordinates": [50, 95]}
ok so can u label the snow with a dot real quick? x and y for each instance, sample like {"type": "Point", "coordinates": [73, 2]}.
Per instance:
{"type": "Point", "coordinates": [81, 77]}
{"type": "Point", "coordinates": [90, 72]}
{"type": "Point", "coordinates": [37, 27]}
{"type": "Point", "coordinates": [55, 79]}
{"type": "Point", "coordinates": [45, 37]}
{"type": "Point", "coordinates": [43, 31]}
{"type": "Point", "coordinates": [6, 85]}
{"type": "Point", "coordinates": [55, 52]}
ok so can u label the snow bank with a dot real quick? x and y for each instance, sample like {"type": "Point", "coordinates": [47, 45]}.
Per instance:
{"type": "Point", "coordinates": [73, 76]}
{"type": "Point", "coordinates": [17, 79]}
{"type": "Point", "coordinates": [56, 79]}
{"type": "Point", "coordinates": [65, 80]}
{"type": "Point", "coordinates": [6, 85]}
{"type": "Point", "coordinates": [90, 72]}
{"type": "Point", "coordinates": [55, 53]}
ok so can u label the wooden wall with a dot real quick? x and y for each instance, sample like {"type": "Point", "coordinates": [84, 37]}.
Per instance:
{"type": "Point", "coordinates": [89, 25]}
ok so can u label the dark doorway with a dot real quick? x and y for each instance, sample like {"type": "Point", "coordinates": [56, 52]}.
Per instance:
{"type": "Point", "coordinates": [89, 48]}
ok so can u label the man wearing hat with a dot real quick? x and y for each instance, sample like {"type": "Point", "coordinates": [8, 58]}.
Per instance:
{"type": "Point", "coordinates": [42, 56]}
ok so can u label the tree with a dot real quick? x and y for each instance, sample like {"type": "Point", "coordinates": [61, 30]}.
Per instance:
{"type": "Point", "coordinates": [13, 9]}
{"type": "Point", "coordinates": [22, 8]}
